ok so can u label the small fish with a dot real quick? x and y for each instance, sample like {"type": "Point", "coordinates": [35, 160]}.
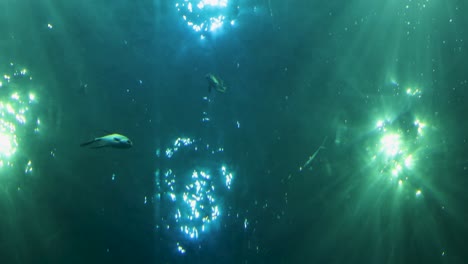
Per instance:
{"type": "Point", "coordinates": [216, 83]}
{"type": "Point", "coordinates": [311, 158]}
{"type": "Point", "coordinates": [111, 141]}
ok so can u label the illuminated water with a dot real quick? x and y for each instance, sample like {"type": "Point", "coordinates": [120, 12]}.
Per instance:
{"type": "Point", "coordinates": [340, 137]}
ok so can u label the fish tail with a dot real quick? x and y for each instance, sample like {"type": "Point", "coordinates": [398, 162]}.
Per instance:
{"type": "Point", "coordinates": [324, 140]}
{"type": "Point", "coordinates": [87, 143]}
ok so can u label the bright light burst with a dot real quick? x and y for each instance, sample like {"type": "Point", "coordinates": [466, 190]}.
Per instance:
{"type": "Point", "coordinates": [16, 102]}
{"type": "Point", "coordinates": [192, 189]}
{"type": "Point", "coordinates": [400, 140]}
{"type": "Point", "coordinates": [8, 144]}
{"type": "Point", "coordinates": [397, 148]}
{"type": "Point", "coordinates": [413, 92]}
{"type": "Point", "coordinates": [391, 144]}
{"type": "Point", "coordinates": [206, 15]}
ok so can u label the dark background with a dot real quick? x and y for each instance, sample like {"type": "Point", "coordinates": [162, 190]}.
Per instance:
{"type": "Point", "coordinates": [297, 71]}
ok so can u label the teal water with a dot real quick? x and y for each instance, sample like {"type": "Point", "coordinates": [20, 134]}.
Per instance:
{"type": "Point", "coordinates": [340, 137]}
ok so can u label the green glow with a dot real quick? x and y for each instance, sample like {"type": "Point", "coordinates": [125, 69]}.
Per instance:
{"type": "Point", "coordinates": [32, 97]}
{"type": "Point", "coordinates": [418, 193]}
{"type": "Point", "coordinates": [7, 145]}
{"type": "Point", "coordinates": [409, 161]}
{"type": "Point", "coordinates": [390, 144]}
{"type": "Point", "coordinates": [398, 143]}
{"type": "Point", "coordinates": [15, 112]}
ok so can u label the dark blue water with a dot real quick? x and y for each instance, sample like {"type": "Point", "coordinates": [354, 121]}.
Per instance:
{"type": "Point", "coordinates": [340, 137]}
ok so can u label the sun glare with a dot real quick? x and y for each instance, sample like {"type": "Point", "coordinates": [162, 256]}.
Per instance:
{"type": "Point", "coordinates": [206, 16]}
{"type": "Point", "coordinates": [16, 106]}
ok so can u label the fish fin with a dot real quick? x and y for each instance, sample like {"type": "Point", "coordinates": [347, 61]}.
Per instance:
{"type": "Point", "coordinates": [99, 146]}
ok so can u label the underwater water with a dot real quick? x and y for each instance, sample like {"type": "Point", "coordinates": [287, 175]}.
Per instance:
{"type": "Point", "coordinates": [262, 131]}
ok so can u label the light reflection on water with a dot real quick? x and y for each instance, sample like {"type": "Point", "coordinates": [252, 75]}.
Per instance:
{"type": "Point", "coordinates": [401, 139]}
{"type": "Point", "coordinates": [206, 16]}
{"type": "Point", "coordinates": [190, 185]}
{"type": "Point", "coordinates": [17, 116]}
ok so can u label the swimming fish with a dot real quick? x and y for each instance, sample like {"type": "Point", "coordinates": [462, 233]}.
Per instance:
{"type": "Point", "coordinates": [216, 83]}
{"type": "Point", "coordinates": [111, 141]}
{"type": "Point", "coordinates": [311, 158]}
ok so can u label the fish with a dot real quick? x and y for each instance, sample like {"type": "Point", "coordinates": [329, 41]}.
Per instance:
{"type": "Point", "coordinates": [109, 141]}
{"type": "Point", "coordinates": [216, 83]}
{"type": "Point", "coordinates": [312, 157]}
